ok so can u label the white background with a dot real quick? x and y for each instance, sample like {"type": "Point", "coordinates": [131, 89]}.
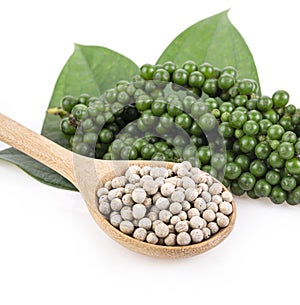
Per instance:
{"type": "Point", "coordinates": [51, 251]}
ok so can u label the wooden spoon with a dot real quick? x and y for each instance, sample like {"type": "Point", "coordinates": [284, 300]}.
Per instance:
{"type": "Point", "coordinates": [88, 175]}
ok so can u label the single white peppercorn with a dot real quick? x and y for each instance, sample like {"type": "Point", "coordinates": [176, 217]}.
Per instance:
{"type": "Point", "coordinates": [215, 188]}
{"type": "Point", "coordinates": [104, 207]}
{"type": "Point", "coordinates": [138, 211]}
{"type": "Point", "coordinates": [134, 178]}
{"type": "Point", "coordinates": [181, 226]}
{"type": "Point", "coordinates": [134, 169]}
{"type": "Point", "coordinates": [213, 206]}
{"type": "Point", "coordinates": [200, 204]}
{"type": "Point", "coordinates": [174, 220]}
{"type": "Point", "coordinates": [145, 178]}
{"type": "Point", "coordinates": [227, 196]}
{"type": "Point", "coordinates": [127, 200]}
{"type": "Point", "coordinates": [126, 227]}
{"type": "Point", "coordinates": [165, 215]}
{"type": "Point", "coordinates": [191, 194]}
{"type": "Point", "coordinates": [193, 212]}
{"type": "Point", "coordinates": [103, 198]}
{"type": "Point", "coordinates": [182, 172]}
{"type": "Point", "coordinates": [209, 215]}
{"type": "Point", "coordinates": [155, 197]}
{"type": "Point", "coordinates": [152, 216]}
{"type": "Point", "coordinates": [187, 165]}
{"type": "Point", "coordinates": [140, 234]}
{"type": "Point", "coordinates": [115, 193]}
{"type": "Point", "coordinates": [115, 220]}
{"type": "Point", "coordinates": [139, 195]}
{"type": "Point", "coordinates": [188, 182]}
{"type": "Point", "coordinates": [102, 191]}
{"type": "Point", "coordinates": [167, 189]}
{"type": "Point", "coordinates": [129, 187]}
{"type": "Point", "coordinates": [206, 233]}
{"type": "Point", "coordinates": [197, 235]}
{"type": "Point", "coordinates": [152, 238]}
{"type": "Point", "coordinates": [183, 239]}
{"type": "Point", "coordinates": [159, 181]}
{"type": "Point", "coordinates": [170, 240]}
{"type": "Point", "coordinates": [185, 205]}
{"type": "Point", "coordinates": [107, 185]}
{"type": "Point", "coordinates": [161, 230]}
{"type": "Point", "coordinates": [203, 186]}
{"type": "Point", "coordinates": [196, 222]}
{"type": "Point", "coordinates": [171, 228]}
{"type": "Point", "coordinates": [116, 204]}
{"type": "Point", "coordinates": [151, 187]}
{"type": "Point", "coordinates": [126, 213]}
{"type": "Point", "coordinates": [145, 170]}
{"type": "Point", "coordinates": [147, 202]}
{"type": "Point", "coordinates": [155, 223]}
{"type": "Point", "coordinates": [118, 182]}
{"type": "Point", "coordinates": [183, 215]}
{"type": "Point", "coordinates": [162, 203]}
{"type": "Point", "coordinates": [145, 223]}
{"type": "Point", "coordinates": [217, 199]}
{"type": "Point", "coordinates": [214, 228]}
{"type": "Point", "coordinates": [225, 207]}
{"type": "Point", "coordinates": [223, 221]}
{"type": "Point", "coordinates": [206, 196]}
{"type": "Point", "coordinates": [209, 180]}
{"type": "Point", "coordinates": [175, 208]}
{"type": "Point", "coordinates": [177, 196]}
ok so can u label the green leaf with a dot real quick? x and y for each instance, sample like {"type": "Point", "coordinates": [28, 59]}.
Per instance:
{"type": "Point", "coordinates": [214, 40]}
{"type": "Point", "coordinates": [90, 69]}
{"type": "Point", "coordinates": [36, 169]}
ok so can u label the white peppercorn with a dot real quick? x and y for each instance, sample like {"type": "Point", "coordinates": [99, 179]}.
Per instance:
{"type": "Point", "coordinates": [156, 172]}
{"type": "Point", "coordinates": [170, 240]}
{"type": "Point", "coordinates": [159, 181]}
{"type": "Point", "coordinates": [167, 189]}
{"type": "Point", "coordinates": [145, 178]}
{"type": "Point", "coordinates": [185, 205]}
{"type": "Point", "coordinates": [215, 188]}
{"type": "Point", "coordinates": [145, 170]}
{"type": "Point", "coordinates": [138, 211]}
{"type": "Point", "coordinates": [183, 215]}
{"type": "Point", "coordinates": [115, 220]}
{"type": "Point", "coordinates": [182, 172]}
{"type": "Point", "coordinates": [209, 180]}
{"type": "Point", "coordinates": [127, 200]}
{"type": "Point", "coordinates": [103, 198]}
{"type": "Point", "coordinates": [152, 238]}
{"type": "Point", "coordinates": [206, 196]}
{"type": "Point", "coordinates": [177, 196]}
{"type": "Point", "coordinates": [129, 187]}
{"type": "Point", "coordinates": [134, 169]}
{"type": "Point", "coordinates": [183, 239]}
{"type": "Point", "coordinates": [171, 228]}
{"type": "Point", "coordinates": [217, 199]}
{"type": "Point", "coordinates": [209, 215]}
{"type": "Point", "coordinates": [174, 220]}
{"type": "Point", "coordinates": [155, 209]}
{"type": "Point", "coordinates": [223, 221]}
{"type": "Point", "coordinates": [175, 208]}
{"type": "Point", "coordinates": [155, 197]}
{"type": "Point", "coordinates": [197, 235]}
{"type": "Point", "coordinates": [140, 234]}
{"type": "Point", "coordinates": [181, 226]}
{"type": "Point", "coordinates": [134, 178]}
{"type": "Point", "coordinates": [155, 223]}
{"type": "Point", "coordinates": [193, 212]}
{"type": "Point", "coordinates": [145, 223]}
{"type": "Point", "coordinates": [225, 207]}
{"type": "Point", "coordinates": [214, 228]}
{"type": "Point", "coordinates": [147, 202]}
{"type": "Point", "coordinates": [115, 193]}
{"type": "Point", "coordinates": [126, 227]}
{"type": "Point", "coordinates": [116, 204]}
{"type": "Point", "coordinates": [187, 165]}
{"type": "Point", "coordinates": [139, 195]}
{"type": "Point", "coordinates": [173, 180]}
{"type": "Point", "coordinates": [206, 233]}
{"type": "Point", "coordinates": [152, 216]}
{"type": "Point", "coordinates": [126, 213]}
{"type": "Point", "coordinates": [213, 206]}
{"type": "Point", "coordinates": [161, 230]}
{"type": "Point", "coordinates": [187, 182]}
{"type": "Point", "coordinates": [165, 215]}
{"type": "Point", "coordinates": [227, 196]}
{"type": "Point", "coordinates": [191, 194]}
{"type": "Point", "coordinates": [104, 207]}
{"type": "Point", "coordinates": [107, 185]}
{"type": "Point", "coordinates": [203, 186]}
{"type": "Point", "coordinates": [196, 222]}
{"type": "Point", "coordinates": [200, 204]}
{"type": "Point", "coordinates": [162, 203]}
{"type": "Point", "coordinates": [102, 191]}
{"type": "Point", "coordinates": [151, 187]}
{"type": "Point", "coordinates": [118, 182]}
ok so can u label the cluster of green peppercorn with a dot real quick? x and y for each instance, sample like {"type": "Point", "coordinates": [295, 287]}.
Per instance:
{"type": "Point", "coordinates": [198, 113]}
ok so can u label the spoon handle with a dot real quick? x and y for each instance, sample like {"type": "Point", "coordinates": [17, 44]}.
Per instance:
{"type": "Point", "coordinates": [38, 147]}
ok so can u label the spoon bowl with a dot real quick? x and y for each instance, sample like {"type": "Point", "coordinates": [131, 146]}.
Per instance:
{"type": "Point", "coordinates": [88, 175]}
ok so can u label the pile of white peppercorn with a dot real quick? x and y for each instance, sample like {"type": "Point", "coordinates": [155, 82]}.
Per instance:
{"type": "Point", "coordinates": [172, 207]}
